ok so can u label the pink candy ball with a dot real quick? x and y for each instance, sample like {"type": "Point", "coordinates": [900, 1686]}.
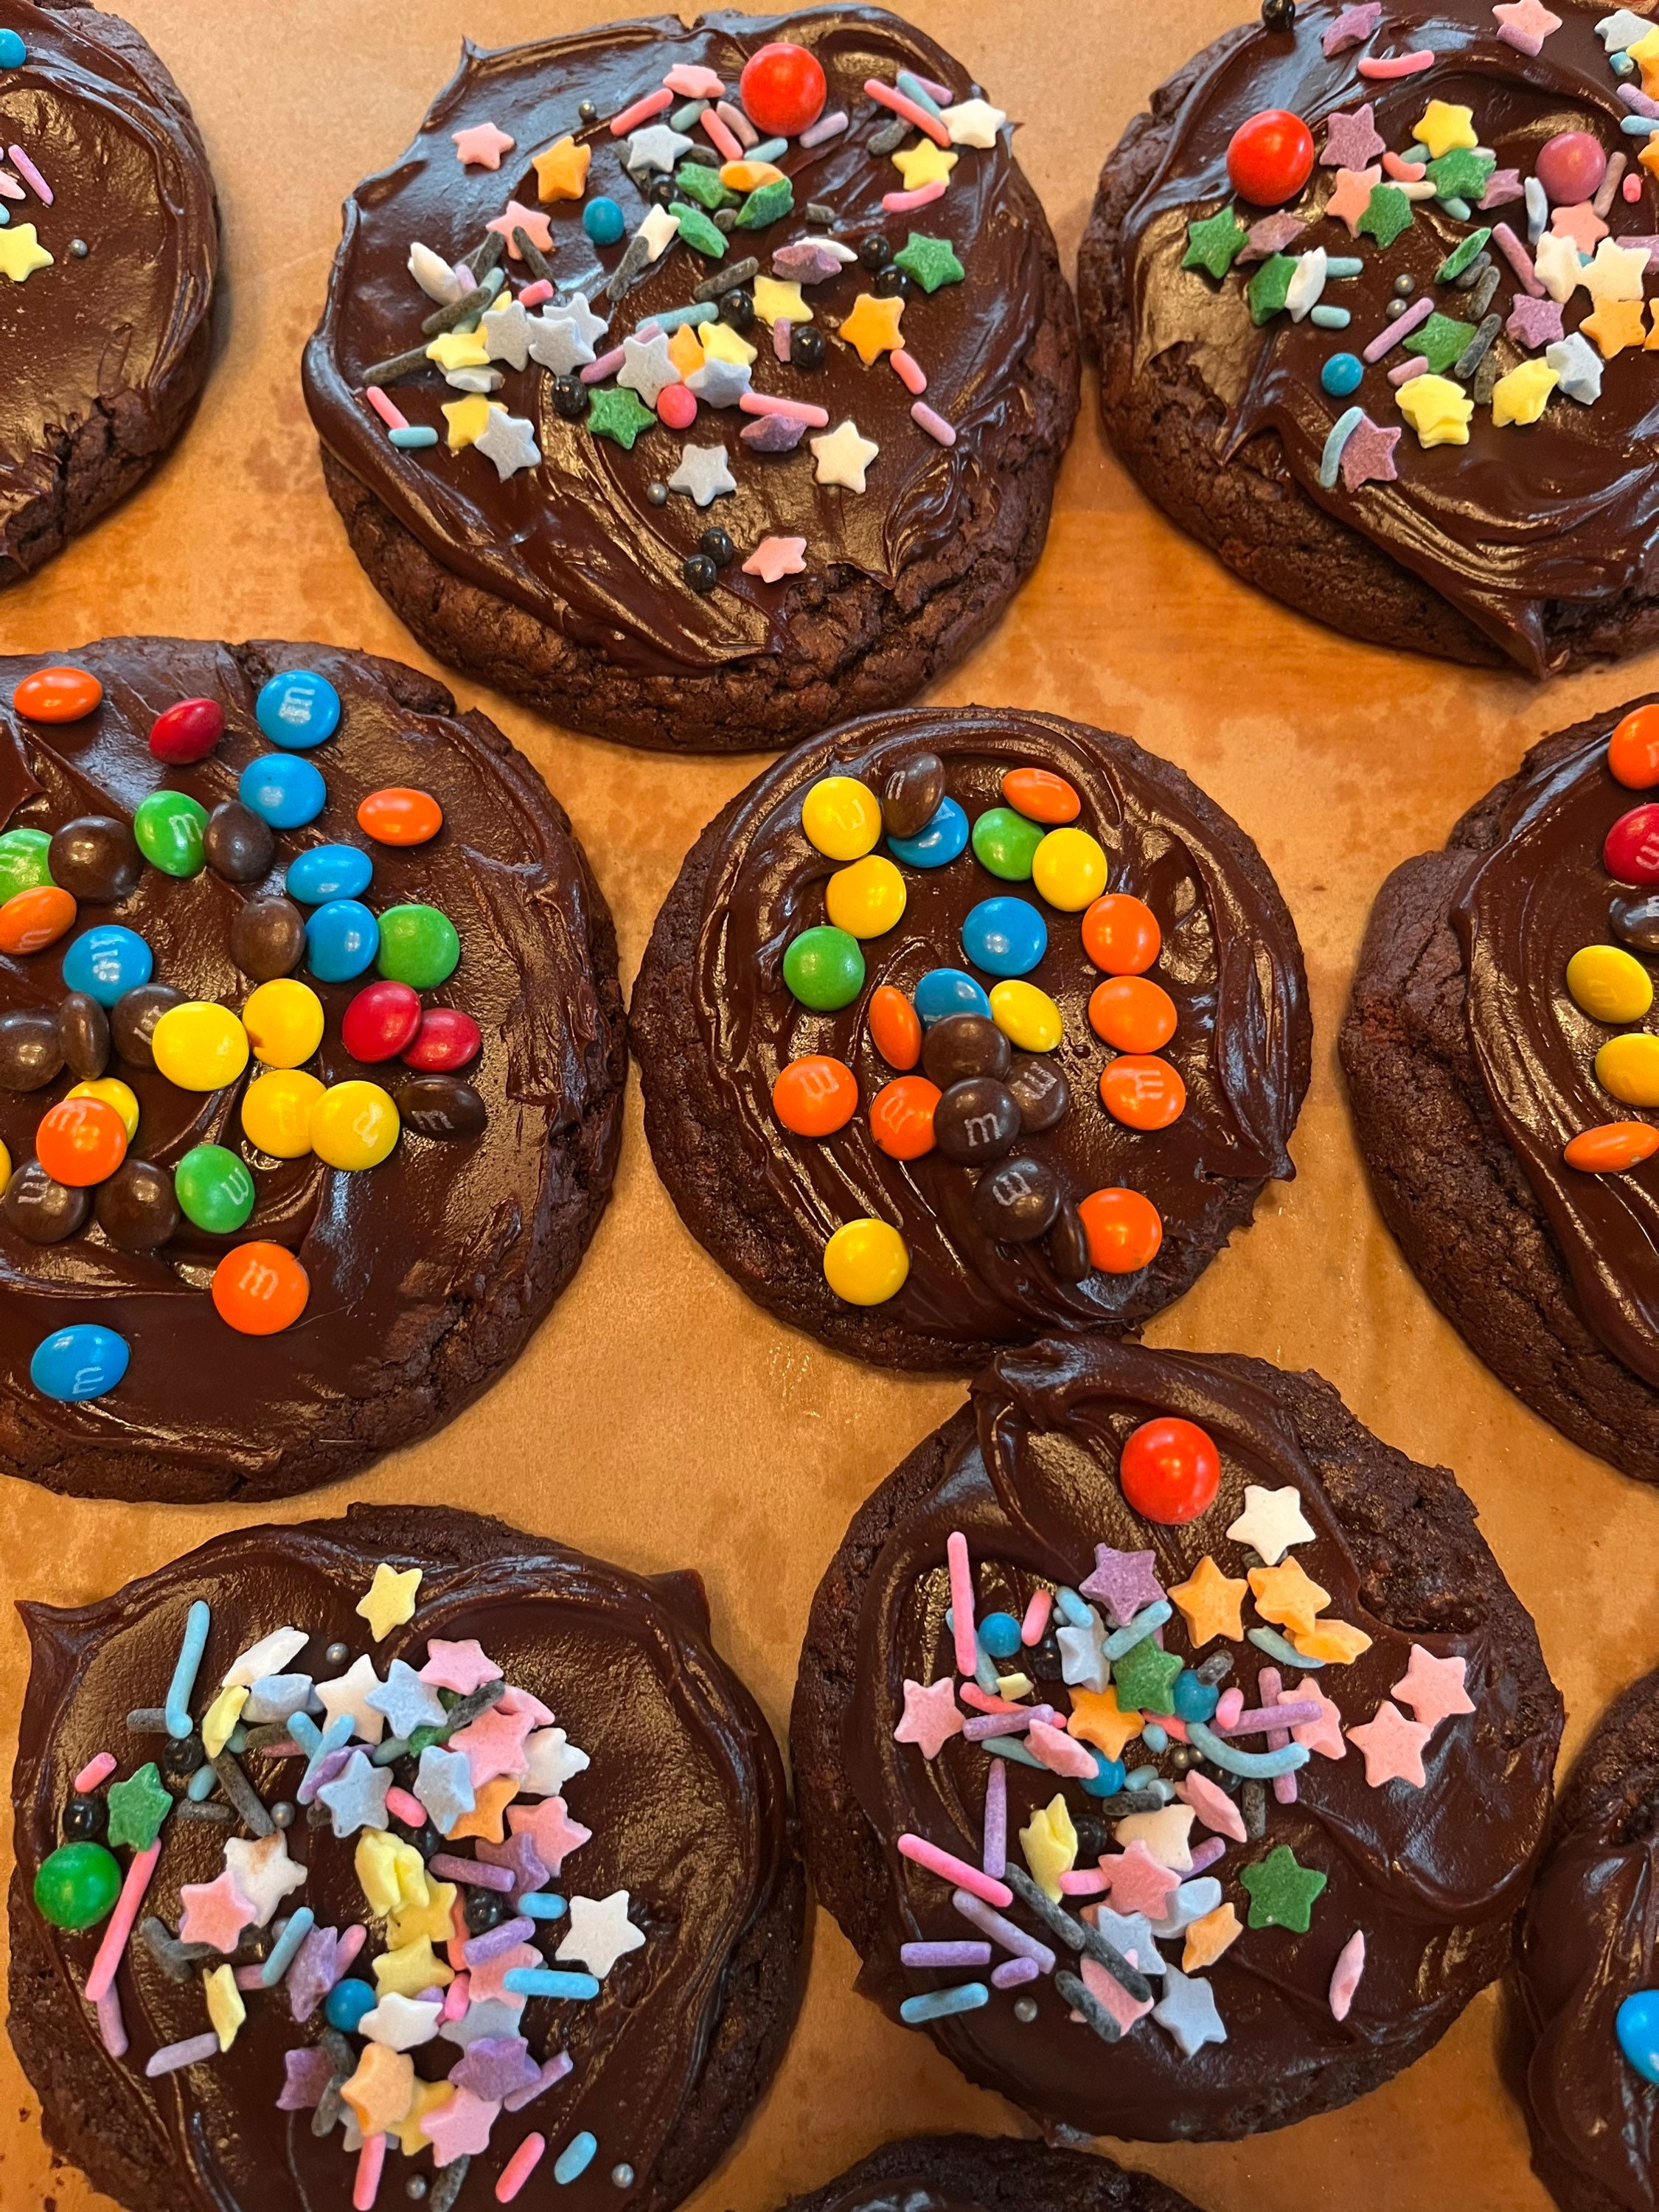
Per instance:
{"type": "Point", "coordinates": [1571, 167]}
{"type": "Point", "coordinates": [1632, 188]}
{"type": "Point", "coordinates": [676, 406]}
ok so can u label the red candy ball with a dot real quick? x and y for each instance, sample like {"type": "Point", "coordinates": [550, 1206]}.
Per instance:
{"type": "Point", "coordinates": [446, 1038]}
{"type": "Point", "coordinates": [1270, 157]}
{"type": "Point", "coordinates": [188, 732]}
{"type": "Point", "coordinates": [676, 406]}
{"type": "Point", "coordinates": [783, 89]}
{"type": "Point", "coordinates": [1169, 1471]}
{"type": "Point", "coordinates": [1632, 851]}
{"type": "Point", "coordinates": [381, 1021]}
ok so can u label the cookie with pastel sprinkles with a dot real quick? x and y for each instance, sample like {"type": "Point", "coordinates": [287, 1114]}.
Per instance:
{"type": "Point", "coordinates": [701, 383]}
{"type": "Point", "coordinates": [1502, 1056]}
{"type": "Point", "coordinates": [1372, 291]}
{"type": "Point", "coordinates": [962, 1027]}
{"type": "Point", "coordinates": [311, 1064]}
{"type": "Point", "coordinates": [1171, 1750]}
{"type": "Point", "coordinates": [977, 2173]}
{"type": "Point", "coordinates": [398, 1857]}
{"type": "Point", "coordinates": [109, 252]}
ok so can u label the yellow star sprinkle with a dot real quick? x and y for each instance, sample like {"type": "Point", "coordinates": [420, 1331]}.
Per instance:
{"type": "Point", "coordinates": [220, 1719]}
{"type": "Point", "coordinates": [382, 2089]}
{"type": "Point", "coordinates": [1213, 1603]}
{"type": "Point", "coordinates": [468, 420]}
{"type": "Point", "coordinates": [1334, 1641]}
{"type": "Point", "coordinates": [391, 1874]}
{"type": "Point", "coordinates": [485, 1818]}
{"type": "Point", "coordinates": [1651, 342]}
{"type": "Point", "coordinates": [561, 169]}
{"type": "Point", "coordinates": [390, 1600]}
{"type": "Point", "coordinates": [1615, 325]}
{"type": "Point", "coordinates": [412, 2138]}
{"type": "Point", "coordinates": [1287, 1594]}
{"type": "Point", "coordinates": [721, 342]}
{"type": "Point", "coordinates": [459, 350]}
{"type": "Point", "coordinates": [1522, 396]}
{"type": "Point", "coordinates": [410, 1922]}
{"type": "Point", "coordinates": [22, 252]}
{"type": "Point", "coordinates": [778, 303]}
{"type": "Point", "coordinates": [1648, 156]}
{"type": "Point", "coordinates": [224, 2004]}
{"type": "Point", "coordinates": [873, 327]}
{"type": "Point", "coordinates": [685, 351]}
{"type": "Point", "coordinates": [1049, 1842]}
{"type": "Point", "coordinates": [1208, 1937]}
{"type": "Point", "coordinates": [923, 164]}
{"type": "Point", "coordinates": [1645, 54]}
{"type": "Point", "coordinates": [1444, 127]}
{"type": "Point", "coordinates": [1098, 1718]}
{"type": "Point", "coordinates": [1436, 408]}
{"type": "Point", "coordinates": [410, 1968]}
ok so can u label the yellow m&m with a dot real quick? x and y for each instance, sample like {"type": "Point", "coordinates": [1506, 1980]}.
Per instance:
{"type": "Point", "coordinates": [115, 1093]}
{"type": "Point", "coordinates": [865, 1262]}
{"type": "Point", "coordinates": [1609, 984]}
{"type": "Point", "coordinates": [199, 1045]}
{"type": "Point", "coordinates": [866, 899]}
{"type": "Point", "coordinates": [1069, 869]}
{"type": "Point", "coordinates": [353, 1125]}
{"type": "Point", "coordinates": [1028, 1017]}
{"type": "Point", "coordinates": [841, 818]}
{"type": "Point", "coordinates": [5, 1169]}
{"type": "Point", "coordinates": [276, 1113]}
{"type": "Point", "coordinates": [1628, 1066]}
{"type": "Point", "coordinates": [284, 1023]}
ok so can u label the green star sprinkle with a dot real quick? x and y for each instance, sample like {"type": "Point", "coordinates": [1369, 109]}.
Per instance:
{"type": "Point", "coordinates": [930, 261]}
{"type": "Point", "coordinates": [617, 414]}
{"type": "Point", "coordinates": [1388, 212]}
{"type": "Point", "coordinates": [1269, 288]}
{"type": "Point", "coordinates": [1460, 256]}
{"type": "Point", "coordinates": [1215, 243]}
{"type": "Point", "coordinates": [1440, 341]}
{"type": "Point", "coordinates": [1282, 1893]}
{"type": "Point", "coordinates": [696, 181]}
{"type": "Point", "coordinates": [1463, 174]}
{"type": "Point", "coordinates": [697, 231]}
{"type": "Point", "coordinates": [137, 1808]}
{"type": "Point", "coordinates": [1145, 1678]}
{"type": "Point", "coordinates": [766, 204]}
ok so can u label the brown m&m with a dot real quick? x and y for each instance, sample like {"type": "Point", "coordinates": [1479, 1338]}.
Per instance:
{"type": "Point", "coordinates": [31, 1051]}
{"type": "Point", "coordinates": [1016, 1201]}
{"type": "Point", "coordinates": [910, 795]}
{"type": "Point", "coordinates": [962, 1046]}
{"type": "Point", "coordinates": [1041, 1091]}
{"type": "Point", "coordinates": [83, 1034]}
{"type": "Point", "coordinates": [976, 1121]}
{"type": "Point", "coordinates": [43, 1211]}
{"type": "Point", "coordinates": [133, 1018]}
{"type": "Point", "coordinates": [95, 858]}
{"type": "Point", "coordinates": [439, 1106]}
{"type": "Point", "coordinates": [267, 937]}
{"type": "Point", "coordinates": [136, 1209]}
{"type": "Point", "coordinates": [239, 845]}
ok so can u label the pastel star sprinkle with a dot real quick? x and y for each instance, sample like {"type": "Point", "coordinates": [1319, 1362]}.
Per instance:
{"type": "Point", "coordinates": [561, 169]}
{"type": "Point", "coordinates": [1082, 1661]}
{"type": "Point", "coordinates": [401, 2023]}
{"type": "Point", "coordinates": [1616, 273]}
{"type": "Point", "coordinates": [1214, 242]}
{"type": "Point", "coordinates": [1440, 341]}
{"type": "Point", "coordinates": [1208, 1937]}
{"type": "Point", "coordinates": [380, 2091]}
{"type": "Point", "coordinates": [1525, 24]}
{"type": "Point", "coordinates": [409, 2133]}
{"type": "Point", "coordinates": [1049, 1842]}
{"type": "Point", "coordinates": [776, 557]}
{"type": "Point", "coordinates": [1282, 1890]}
{"type": "Point", "coordinates": [21, 253]}
{"type": "Point", "coordinates": [1460, 174]}
{"type": "Point", "coordinates": [1367, 458]}
{"type": "Point", "coordinates": [215, 1912]}
{"type": "Point", "coordinates": [659, 230]}
{"type": "Point", "coordinates": [1324, 1735]}
{"type": "Point", "coordinates": [535, 226]}
{"type": "Point", "coordinates": [617, 414]}
{"type": "Point", "coordinates": [1392, 1747]}
{"type": "Point", "coordinates": [264, 1872]}
{"type": "Point", "coordinates": [389, 1601]}
{"type": "Point", "coordinates": [493, 1745]}
{"type": "Point", "coordinates": [872, 327]}
{"type": "Point", "coordinates": [930, 1715]}
{"type": "Point", "coordinates": [646, 368]}
{"type": "Point", "coordinates": [1614, 324]}
{"type": "Point", "coordinates": [1388, 212]}
{"type": "Point", "coordinates": [463, 1667]}
{"type": "Point", "coordinates": [1138, 1882]}
{"type": "Point", "coordinates": [1436, 408]}
{"type": "Point", "coordinates": [389, 1872]}
{"type": "Point", "coordinates": [923, 163]}
{"type": "Point", "coordinates": [1532, 322]}
{"type": "Point", "coordinates": [1273, 234]}
{"type": "Point", "coordinates": [1123, 1582]}
{"type": "Point", "coordinates": [600, 1932]}
{"type": "Point", "coordinates": [556, 341]}
{"type": "Point", "coordinates": [929, 262]}
{"type": "Point", "coordinates": [407, 1702]}
{"type": "Point", "coordinates": [1351, 196]}
{"type": "Point", "coordinates": [309, 2071]}
{"type": "Point", "coordinates": [718, 383]}
{"type": "Point", "coordinates": [521, 1859]}
{"type": "Point", "coordinates": [1435, 1689]}
{"type": "Point", "coordinates": [1187, 2009]}
{"type": "Point", "coordinates": [1190, 1902]}
{"type": "Point", "coordinates": [1146, 1677]}
{"type": "Point", "coordinates": [843, 456]}
{"type": "Point", "coordinates": [225, 2008]}
{"type": "Point", "coordinates": [551, 1760]}
{"type": "Point", "coordinates": [495, 2068]}
{"type": "Point", "coordinates": [1351, 28]}
{"type": "Point", "coordinates": [409, 1968]}
{"type": "Point", "coordinates": [550, 1829]}
{"type": "Point", "coordinates": [1212, 1603]}
{"type": "Point", "coordinates": [1130, 1933]}
{"type": "Point", "coordinates": [356, 1798]}
{"type": "Point", "coordinates": [1333, 1643]}
{"type": "Point", "coordinates": [703, 473]}
{"type": "Point", "coordinates": [1098, 1718]}
{"type": "Point", "coordinates": [779, 302]}
{"type": "Point", "coordinates": [1351, 140]}
{"type": "Point", "coordinates": [1559, 270]}
{"type": "Point", "coordinates": [443, 1782]}
{"type": "Point", "coordinates": [972, 123]}
{"type": "Point", "coordinates": [459, 2127]}
{"type": "Point", "coordinates": [654, 151]}
{"type": "Point", "coordinates": [489, 1803]}
{"type": "Point", "coordinates": [453, 350]}
{"type": "Point", "coordinates": [430, 1917]}
{"type": "Point", "coordinates": [137, 1808]}
{"type": "Point", "coordinates": [481, 146]}
{"type": "Point", "coordinates": [1581, 224]}
{"type": "Point", "coordinates": [1442, 126]}
{"type": "Point", "coordinates": [1522, 395]}
{"type": "Point", "coordinates": [350, 1693]}
{"type": "Point", "coordinates": [1578, 366]}
{"type": "Point", "coordinates": [1109, 1993]}
{"type": "Point", "coordinates": [1622, 29]}
{"type": "Point", "coordinates": [1166, 1834]}
{"type": "Point", "coordinates": [1213, 1806]}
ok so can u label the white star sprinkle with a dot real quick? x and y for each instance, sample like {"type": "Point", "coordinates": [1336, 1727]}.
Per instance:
{"type": "Point", "coordinates": [972, 123]}
{"type": "Point", "coordinates": [843, 456]}
{"type": "Point", "coordinates": [600, 1932]}
{"type": "Point", "coordinates": [703, 473]}
{"type": "Point", "coordinates": [1273, 1520]}
{"type": "Point", "coordinates": [510, 442]}
{"type": "Point", "coordinates": [348, 1693]}
{"type": "Point", "coordinates": [646, 367]}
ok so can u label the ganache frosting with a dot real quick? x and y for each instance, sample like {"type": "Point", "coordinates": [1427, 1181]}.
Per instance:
{"type": "Point", "coordinates": [1563, 512]}
{"type": "Point", "coordinates": [576, 542]}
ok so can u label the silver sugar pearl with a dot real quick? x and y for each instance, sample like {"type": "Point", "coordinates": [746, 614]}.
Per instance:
{"type": "Point", "coordinates": [623, 2176]}
{"type": "Point", "coordinates": [281, 1813]}
{"type": "Point", "coordinates": [1025, 2010]}
{"type": "Point", "coordinates": [1393, 311]}
{"type": "Point", "coordinates": [1404, 285]}
{"type": "Point", "coordinates": [78, 248]}
{"type": "Point", "coordinates": [338, 1654]}
{"type": "Point", "coordinates": [587, 111]}
{"type": "Point", "coordinates": [415, 2186]}
{"type": "Point", "coordinates": [657, 494]}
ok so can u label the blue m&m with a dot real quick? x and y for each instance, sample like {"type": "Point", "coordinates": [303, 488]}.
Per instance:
{"type": "Point", "coordinates": [13, 53]}
{"type": "Point", "coordinates": [329, 872]}
{"type": "Point", "coordinates": [82, 1362]}
{"type": "Point", "coordinates": [1636, 2026]}
{"type": "Point", "coordinates": [106, 963]}
{"type": "Point", "coordinates": [298, 709]}
{"type": "Point", "coordinates": [602, 219]}
{"type": "Point", "coordinates": [945, 991]}
{"type": "Point", "coordinates": [944, 839]}
{"type": "Point", "coordinates": [283, 790]}
{"type": "Point", "coordinates": [341, 939]}
{"type": "Point", "coordinates": [1004, 936]}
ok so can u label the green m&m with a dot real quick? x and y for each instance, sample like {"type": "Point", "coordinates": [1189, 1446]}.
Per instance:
{"type": "Point", "coordinates": [169, 827]}
{"type": "Point", "coordinates": [418, 946]}
{"type": "Point", "coordinates": [78, 1886]}
{"type": "Point", "coordinates": [824, 969]}
{"type": "Point", "coordinates": [213, 1190]}
{"type": "Point", "coordinates": [1005, 842]}
{"type": "Point", "coordinates": [23, 862]}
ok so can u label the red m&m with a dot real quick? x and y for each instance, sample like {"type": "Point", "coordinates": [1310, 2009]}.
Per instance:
{"type": "Point", "coordinates": [783, 89]}
{"type": "Point", "coordinates": [380, 1022]}
{"type": "Point", "coordinates": [187, 732]}
{"type": "Point", "coordinates": [1169, 1471]}
{"type": "Point", "coordinates": [1631, 850]}
{"type": "Point", "coordinates": [446, 1038]}
{"type": "Point", "coordinates": [1270, 157]}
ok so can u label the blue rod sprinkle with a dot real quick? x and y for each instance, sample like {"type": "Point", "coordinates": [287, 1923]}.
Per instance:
{"type": "Point", "coordinates": [414, 437]}
{"type": "Point", "coordinates": [913, 89]}
{"type": "Point", "coordinates": [283, 1950]}
{"type": "Point", "coordinates": [542, 1904]}
{"type": "Point", "coordinates": [1010, 1747]}
{"type": "Point", "coordinates": [1341, 430]}
{"type": "Point", "coordinates": [1345, 265]}
{"type": "Point", "coordinates": [236, 1742]}
{"type": "Point", "coordinates": [545, 1982]}
{"type": "Point", "coordinates": [200, 1785]}
{"type": "Point", "coordinates": [1329, 318]}
{"type": "Point", "coordinates": [184, 1674]}
{"type": "Point", "coordinates": [683, 118]}
{"type": "Point", "coordinates": [1072, 1609]}
{"type": "Point", "coordinates": [1458, 210]}
{"type": "Point", "coordinates": [939, 2004]}
{"type": "Point", "coordinates": [1124, 1639]}
{"type": "Point", "coordinates": [1638, 126]}
{"type": "Point", "coordinates": [1139, 1777]}
{"type": "Point", "coordinates": [768, 150]}
{"type": "Point", "coordinates": [1154, 1737]}
{"type": "Point", "coordinates": [674, 319]}
{"type": "Point", "coordinates": [1253, 1766]}
{"type": "Point", "coordinates": [1278, 1647]}
{"type": "Point", "coordinates": [575, 2158]}
{"type": "Point", "coordinates": [387, 1753]}
{"type": "Point", "coordinates": [304, 1731]}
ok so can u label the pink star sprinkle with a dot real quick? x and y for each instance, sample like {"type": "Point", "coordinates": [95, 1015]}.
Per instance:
{"type": "Point", "coordinates": [1138, 1882]}
{"type": "Point", "coordinates": [1352, 196]}
{"type": "Point", "coordinates": [461, 1667]}
{"type": "Point", "coordinates": [1525, 24]}
{"type": "Point", "coordinates": [516, 216]}
{"type": "Point", "coordinates": [1213, 1806]}
{"type": "Point", "coordinates": [482, 145]}
{"type": "Point", "coordinates": [486, 1984]}
{"type": "Point", "coordinates": [459, 2128]}
{"type": "Point", "coordinates": [1434, 1688]}
{"type": "Point", "coordinates": [1501, 186]}
{"type": "Point", "coordinates": [772, 558]}
{"type": "Point", "coordinates": [516, 1701]}
{"type": "Point", "coordinates": [1368, 457]}
{"type": "Point", "coordinates": [493, 1745]}
{"type": "Point", "coordinates": [1392, 1747]}
{"type": "Point", "coordinates": [1111, 1993]}
{"type": "Point", "coordinates": [1581, 224]}
{"type": "Point", "coordinates": [1324, 1735]}
{"type": "Point", "coordinates": [930, 1715]}
{"type": "Point", "coordinates": [692, 81]}
{"type": "Point", "coordinates": [215, 1912]}
{"type": "Point", "coordinates": [1352, 28]}
{"type": "Point", "coordinates": [550, 1829]}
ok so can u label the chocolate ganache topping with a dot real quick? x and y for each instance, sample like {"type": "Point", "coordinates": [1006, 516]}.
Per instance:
{"type": "Point", "coordinates": [576, 540]}
{"type": "Point", "coordinates": [102, 344]}
{"type": "Point", "coordinates": [673, 1793]}
{"type": "Point", "coordinates": [1425, 1862]}
{"type": "Point", "coordinates": [1528, 517]}
{"type": "Point", "coordinates": [485, 1205]}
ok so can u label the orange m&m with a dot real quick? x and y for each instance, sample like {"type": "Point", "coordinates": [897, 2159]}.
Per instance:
{"type": "Point", "coordinates": [1132, 1014]}
{"type": "Point", "coordinates": [259, 1289]}
{"type": "Point", "coordinates": [901, 1117]}
{"type": "Point", "coordinates": [399, 816]}
{"type": "Point", "coordinates": [1121, 934]}
{"type": "Point", "coordinates": [1124, 1231]}
{"type": "Point", "coordinates": [1041, 796]}
{"type": "Point", "coordinates": [816, 1095]}
{"type": "Point", "coordinates": [31, 921]}
{"type": "Point", "coordinates": [1613, 1146]}
{"type": "Point", "coordinates": [1143, 1092]}
{"type": "Point", "coordinates": [895, 1027]}
{"type": "Point", "coordinates": [81, 1141]}
{"type": "Point", "coordinates": [1633, 748]}
{"type": "Point", "coordinates": [58, 695]}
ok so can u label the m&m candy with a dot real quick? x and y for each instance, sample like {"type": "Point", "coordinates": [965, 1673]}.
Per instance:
{"type": "Point", "coordinates": [106, 963]}
{"type": "Point", "coordinates": [76, 1885]}
{"type": "Point", "coordinates": [199, 1045]}
{"type": "Point", "coordinates": [81, 1141]}
{"type": "Point", "coordinates": [328, 871]}
{"type": "Point", "coordinates": [133, 1018]}
{"type": "Point", "coordinates": [1004, 936]}
{"type": "Point", "coordinates": [446, 1039]}
{"type": "Point", "coordinates": [31, 1048]}
{"type": "Point", "coordinates": [136, 1209]}
{"type": "Point", "coordinates": [83, 1031]}
{"type": "Point", "coordinates": [815, 1095]}
{"type": "Point", "coordinates": [187, 733]}
{"type": "Point", "coordinates": [964, 1045]}
{"type": "Point", "coordinates": [297, 708]}
{"type": "Point", "coordinates": [944, 839]}
{"type": "Point", "coordinates": [282, 789]}
{"type": "Point", "coordinates": [284, 1023]}
{"type": "Point", "coordinates": [94, 857]}
{"type": "Point", "coordinates": [1612, 1147]}
{"type": "Point", "coordinates": [381, 1021]}
{"type": "Point", "coordinates": [910, 794]}
{"type": "Point", "coordinates": [1636, 2024]}
{"type": "Point", "coordinates": [419, 946]}
{"type": "Point", "coordinates": [31, 921]}
{"type": "Point", "coordinates": [399, 816]}
{"type": "Point", "coordinates": [82, 1362]}
{"type": "Point", "coordinates": [1016, 1201]}
{"type": "Point", "coordinates": [239, 843]}
{"type": "Point", "coordinates": [1040, 795]}
{"type": "Point", "coordinates": [603, 219]}
{"type": "Point", "coordinates": [341, 939]}
{"type": "Point", "coordinates": [1631, 850]}
{"type": "Point", "coordinates": [277, 1112]}
{"type": "Point", "coordinates": [1068, 869]}
{"type": "Point", "coordinates": [1121, 934]}
{"type": "Point", "coordinates": [260, 1289]}
{"type": "Point", "coordinates": [865, 1262]}
{"type": "Point", "coordinates": [441, 1107]}
{"type": "Point", "coordinates": [1270, 157]}
{"type": "Point", "coordinates": [841, 818]}
{"type": "Point", "coordinates": [1628, 1067]}
{"type": "Point", "coordinates": [112, 1091]}
{"type": "Point", "coordinates": [1633, 748]}
{"type": "Point", "coordinates": [901, 1117]}
{"type": "Point", "coordinates": [1607, 982]}
{"type": "Point", "coordinates": [895, 1027]}
{"type": "Point", "coordinates": [58, 695]}
{"type": "Point", "coordinates": [354, 1125]}
{"type": "Point", "coordinates": [1170, 1470]}
{"type": "Point", "coordinates": [943, 992]}
{"type": "Point", "coordinates": [25, 861]}
{"type": "Point", "coordinates": [783, 89]}
{"type": "Point", "coordinates": [1142, 1091]}
{"type": "Point", "coordinates": [1028, 1017]}
{"type": "Point", "coordinates": [1124, 1231]}
{"type": "Point", "coordinates": [168, 827]}
{"type": "Point", "coordinates": [214, 1188]}
{"type": "Point", "coordinates": [824, 969]}
{"type": "Point", "coordinates": [1132, 1013]}
{"type": "Point", "coordinates": [867, 898]}
{"type": "Point", "coordinates": [1006, 843]}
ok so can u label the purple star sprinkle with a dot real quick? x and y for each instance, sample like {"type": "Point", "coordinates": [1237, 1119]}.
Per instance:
{"type": "Point", "coordinates": [774, 433]}
{"type": "Point", "coordinates": [1652, 244]}
{"type": "Point", "coordinates": [1123, 1582]}
{"type": "Point", "coordinates": [1350, 141]}
{"type": "Point", "coordinates": [1271, 236]}
{"type": "Point", "coordinates": [804, 262]}
{"type": "Point", "coordinates": [1368, 457]}
{"type": "Point", "coordinates": [1534, 322]}
{"type": "Point", "coordinates": [313, 1973]}
{"type": "Point", "coordinates": [1352, 28]}
{"type": "Point", "coordinates": [310, 2069]}
{"type": "Point", "coordinates": [495, 2068]}
{"type": "Point", "coordinates": [1503, 186]}
{"type": "Point", "coordinates": [521, 1859]}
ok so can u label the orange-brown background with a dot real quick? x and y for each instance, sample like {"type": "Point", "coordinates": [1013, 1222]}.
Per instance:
{"type": "Point", "coordinates": [659, 1418]}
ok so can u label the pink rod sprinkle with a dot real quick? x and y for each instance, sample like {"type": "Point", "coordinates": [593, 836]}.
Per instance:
{"type": "Point", "coordinates": [370, 2159]}
{"type": "Point", "coordinates": [908, 202]}
{"type": "Point", "coordinates": [737, 123]}
{"type": "Point", "coordinates": [640, 111]}
{"type": "Point", "coordinates": [477, 1873]}
{"type": "Point", "coordinates": [1404, 172]}
{"type": "Point", "coordinates": [1350, 1965]}
{"type": "Point", "coordinates": [248, 1977]}
{"type": "Point", "coordinates": [348, 1947]}
{"type": "Point", "coordinates": [1036, 1623]}
{"type": "Point", "coordinates": [1518, 258]}
{"type": "Point", "coordinates": [984, 1701]}
{"type": "Point", "coordinates": [909, 371]}
{"type": "Point", "coordinates": [394, 418]}
{"type": "Point", "coordinates": [519, 2167]}
{"type": "Point", "coordinates": [1175, 1729]}
{"type": "Point", "coordinates": [1631, 188]}
{"type": "Point", "coordinates": [534, 295]}
{"type": "Point", "coordinates": [950, 1869]}
{"type": "Point", "coordinates": [30, 176]}
{"type": "Point", "coordinates": [826, 127]}
{"type": "Point", "coordinates": [398, 1802]}
{"type": "Point", "coordinates": [111, 2026]}
{"type": "Point", "coordinates": [885, 96]}
{"type": "Point", "coordinates": [1407, 369]}
{"type": "Point", "coordinates": [94, 1771]}
{"type": "Point", "coordinates": [1229, 1706]}
{"type": "Point", "coordinates": [555, 2070]}
{"type": "Point", "coordinates": [798, 410]}
{"type": "Point", "coordinates": [1391, 334]}
{"type": "Point", "coordinates": [993, 1853]}
{"type": "Point", "coordinates": [942, 92]}
{"type": "Point", "coordinates": [101, 1980]}
{"type": "Point", "coordinates": [780, 339]}
{"type": "Point", "coordinates": [1206, 1853]}
{"type": "Point", "coordinates": [457, 1997]}
{"type": "Point", "coordinates": [171, 2056]}
{"type": "Point", "coordinates": [606, 365]}
{"type": "Point", "coordinates": [979, 1915]}
{"type": "Point", "coordinates": [720, 137]}
{"type": "Point", "coordinates": [1617, 165]}
{"type": "Point", "coordinates": [1013, 1972]}
{"type": "Point", "coordinates": [1383, 67]}
{"type": "Point", "coordinates": [1274, 1720]}
{"type": "Point", "coordinates": [961, 1597]}
{"type": "Point", "coordinates": [1082, 1883]}
{"type": "Point", "coordinates": [934, 425]}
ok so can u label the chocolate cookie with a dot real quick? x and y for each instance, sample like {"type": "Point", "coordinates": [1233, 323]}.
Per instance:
{"type": "Point", "coordinates": [528, 1877]}
{"type": "Point", "coordinates": [916, 1163]}
{"type": "Point", "coordinates": [710, 510]}
{"type": "Point", "coordinates": [111, 247]}
{"type": "Point", "coordinates": [1585, 1971]}
{"type": "Point", "coordinates": [1253, 307]}
{"type": "Point", "coordinates": [1501, 1110]}
{"type": "Point", "coordinates": [311, 1064]}
{"type": "Point", "coordinates": [1113, 1545]}
{"type": "Point", "coordinates": [976, 2173]}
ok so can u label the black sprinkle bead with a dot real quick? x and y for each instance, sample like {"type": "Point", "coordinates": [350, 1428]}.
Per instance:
{"type": "Point", "coordinates": [700, 573]}
{"type": "Point", "coordinates": [717, 545]}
